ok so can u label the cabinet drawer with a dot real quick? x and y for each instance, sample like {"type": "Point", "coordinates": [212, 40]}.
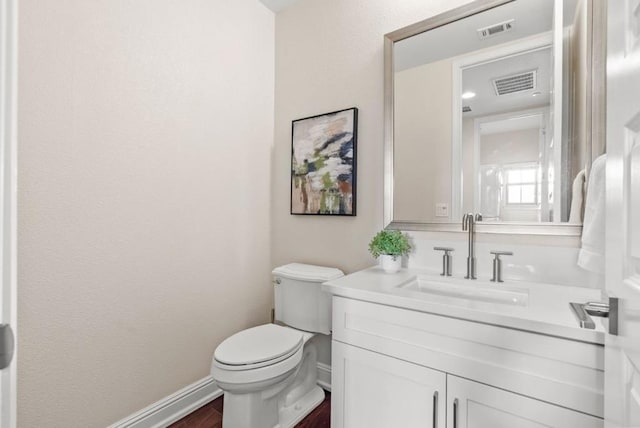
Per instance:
{"type": "Point", "coordinates": [556, 370]}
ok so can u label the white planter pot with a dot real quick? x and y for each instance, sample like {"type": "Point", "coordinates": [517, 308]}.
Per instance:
{"type": "Point", "coordinates": [390, 264]}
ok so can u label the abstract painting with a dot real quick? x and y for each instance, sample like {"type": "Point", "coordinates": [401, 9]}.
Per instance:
{"type": "Point", "coordinates": [323, 164]}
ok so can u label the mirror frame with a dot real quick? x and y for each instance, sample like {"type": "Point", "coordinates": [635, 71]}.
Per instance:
{"type": "Point", "coordinates": [595, 102]}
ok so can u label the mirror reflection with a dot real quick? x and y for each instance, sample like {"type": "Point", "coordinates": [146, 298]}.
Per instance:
{"type": "Point", "coordinates": [490, 115]}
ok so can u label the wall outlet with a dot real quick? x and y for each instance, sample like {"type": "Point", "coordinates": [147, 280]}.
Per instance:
{"type": "Point", "coordinates": [442, 210]}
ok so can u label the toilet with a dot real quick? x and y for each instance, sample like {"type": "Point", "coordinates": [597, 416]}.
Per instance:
{"type": "Point", "coordinates": [268, 373]}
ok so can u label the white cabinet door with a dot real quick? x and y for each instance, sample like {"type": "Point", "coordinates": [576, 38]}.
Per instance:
{"type": "Point", "coordinates": [370, 390]}
{"type": "Point", "coordinates": [475, 405]}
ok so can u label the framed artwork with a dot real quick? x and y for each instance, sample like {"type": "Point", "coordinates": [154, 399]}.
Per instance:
{"type": "Point", "coordinates": [323, 164]}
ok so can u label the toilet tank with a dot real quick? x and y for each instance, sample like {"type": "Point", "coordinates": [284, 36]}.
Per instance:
{"type": "Point", "coordinates": [299, 300]}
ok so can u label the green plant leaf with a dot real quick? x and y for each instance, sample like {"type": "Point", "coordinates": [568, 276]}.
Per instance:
{"type": "Point", "coordinates": [390, 242]}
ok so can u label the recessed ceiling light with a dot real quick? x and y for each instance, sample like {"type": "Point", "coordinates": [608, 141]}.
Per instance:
{"type": "Point", "coordinates": [467, 95]}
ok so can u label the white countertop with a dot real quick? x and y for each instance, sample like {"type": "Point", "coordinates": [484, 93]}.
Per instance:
{"type": "Point", "coordinates": [546, 312]}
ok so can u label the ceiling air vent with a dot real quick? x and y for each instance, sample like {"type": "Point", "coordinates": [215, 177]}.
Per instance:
{"type": "Point", "coordinates": [495, 29]}
{"type": "Point", "coordinates": [515, 83]}
{"type": "Point", "coordinates": [466, 109]}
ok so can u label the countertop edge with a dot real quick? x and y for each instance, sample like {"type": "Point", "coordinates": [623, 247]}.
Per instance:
{"type": "Point", "coordinates": [500, 320]}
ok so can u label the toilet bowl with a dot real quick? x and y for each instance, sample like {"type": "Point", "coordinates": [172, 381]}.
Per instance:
{"type": "Point", "coordinates": [275, 390]}
{"type": "Point", "coordinates": [268, 373]}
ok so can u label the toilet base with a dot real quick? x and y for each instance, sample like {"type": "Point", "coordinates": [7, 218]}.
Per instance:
{"type": "Point", "coordinates": [280, 403]}
{"type": "Point", "coordinates": [289, 416]}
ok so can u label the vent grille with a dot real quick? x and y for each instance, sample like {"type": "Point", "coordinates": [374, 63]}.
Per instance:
{"type": "Point", "coordinates": [495, 29]}
{"type": "Point", "coordinates": [466, 109]}
{"type": "Point", "coordinates": [515, 83]}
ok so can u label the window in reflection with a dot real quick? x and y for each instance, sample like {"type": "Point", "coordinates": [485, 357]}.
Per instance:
{"type": "Point", "coordinates": [510, 160]}
{"type": "Point", "coordinates": [523, 184]}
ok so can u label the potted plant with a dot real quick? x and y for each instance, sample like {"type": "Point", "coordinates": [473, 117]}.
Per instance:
{"type": "Point", "coordinates": [390, 246]}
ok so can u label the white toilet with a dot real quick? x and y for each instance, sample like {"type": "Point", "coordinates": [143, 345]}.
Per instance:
{"type": "Point", "coordinates": [268, 373]}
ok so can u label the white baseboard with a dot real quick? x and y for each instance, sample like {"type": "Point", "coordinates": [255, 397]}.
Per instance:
{"type": "Point", "coordinates": [324, 376]}
{"type": "Point", "coordinates": [179, 404]}
{"type": "Point", "coordinates": [174, 407]}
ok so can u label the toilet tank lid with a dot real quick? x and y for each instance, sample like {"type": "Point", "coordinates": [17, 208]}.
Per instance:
{"type": "Point", "coordinates": [306, 272]}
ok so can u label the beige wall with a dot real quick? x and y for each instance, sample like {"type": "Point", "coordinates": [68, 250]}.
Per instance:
{"type": "Point", "coordinates": [422, 140]}
{"type": "Point", "coordinates": [329, 56]}
{"type": "Point", "coordinates": [145, 137]}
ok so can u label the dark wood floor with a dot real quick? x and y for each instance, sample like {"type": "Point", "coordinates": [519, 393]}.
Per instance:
{"type": "Point", "coordinates": [210, 416]}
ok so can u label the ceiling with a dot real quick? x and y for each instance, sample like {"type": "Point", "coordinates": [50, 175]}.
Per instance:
{"type": "Point", "coordinates": [278, 5]}
{"type": "Point", "coordinates": [460, 37]}
{"type": "Point", "coordinates": [478, 79]}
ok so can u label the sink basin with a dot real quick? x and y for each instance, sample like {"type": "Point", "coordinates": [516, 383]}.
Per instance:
{"type": "Point", "coordinates": [469, 290]}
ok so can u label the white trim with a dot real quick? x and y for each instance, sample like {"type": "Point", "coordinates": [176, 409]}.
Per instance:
{"type": "Point", "coordinates": [8, 190]}
{"type": "Point", "coordinates": [457, 179]}
{"type": "Point", "coordinates": [556, 108]}
{"type": "Point", "coordinates": [174, 407]}
{"type": "Point", "coordinates": [324, 376]}
{"type": "Point", "coordinates": [477, 141]}
{"type": "Point", "coordinates": [181, 403]}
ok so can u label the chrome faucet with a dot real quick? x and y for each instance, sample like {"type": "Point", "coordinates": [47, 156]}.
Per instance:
{"type": "Point", "coordinates": [469, 224]}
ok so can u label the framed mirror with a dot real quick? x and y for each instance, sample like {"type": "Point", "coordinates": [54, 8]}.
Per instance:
{"type": "Point", "coordinates": [496, 108]}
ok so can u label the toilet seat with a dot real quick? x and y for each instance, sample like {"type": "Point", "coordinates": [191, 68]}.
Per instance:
{"type": "Point", "coordinates": [256, 357]}
{"type": "Point", "coordinates": [257, 347]}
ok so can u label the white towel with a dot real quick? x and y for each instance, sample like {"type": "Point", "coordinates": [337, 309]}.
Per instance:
{"type": "Point", "coordinates": [591, 255]}
{"type": "Point", "coordinates": [577, 196]}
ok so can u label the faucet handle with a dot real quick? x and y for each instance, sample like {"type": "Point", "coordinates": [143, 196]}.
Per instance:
{"type": "Point", "coordinates": [478, 217]}
{"type": "Point", "coordinates": [446, 260]}
{"type": "Point", "coordinates": [501, 253]}
{"type": "Point", "coordinates": [497, 264]}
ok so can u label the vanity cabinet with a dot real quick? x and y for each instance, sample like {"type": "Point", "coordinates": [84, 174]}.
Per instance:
{"type": "Point", "coordinates": [398, 367]}
{"type": "Point", "coordinates": [377, 391]}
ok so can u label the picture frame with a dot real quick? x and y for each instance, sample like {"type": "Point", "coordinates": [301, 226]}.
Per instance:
{"type": "Point", "coordinates": [324, 164]}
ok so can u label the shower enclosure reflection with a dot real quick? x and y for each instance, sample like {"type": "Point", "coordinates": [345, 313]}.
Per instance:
{"type": "Point", "coordinates": [514, 167]}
